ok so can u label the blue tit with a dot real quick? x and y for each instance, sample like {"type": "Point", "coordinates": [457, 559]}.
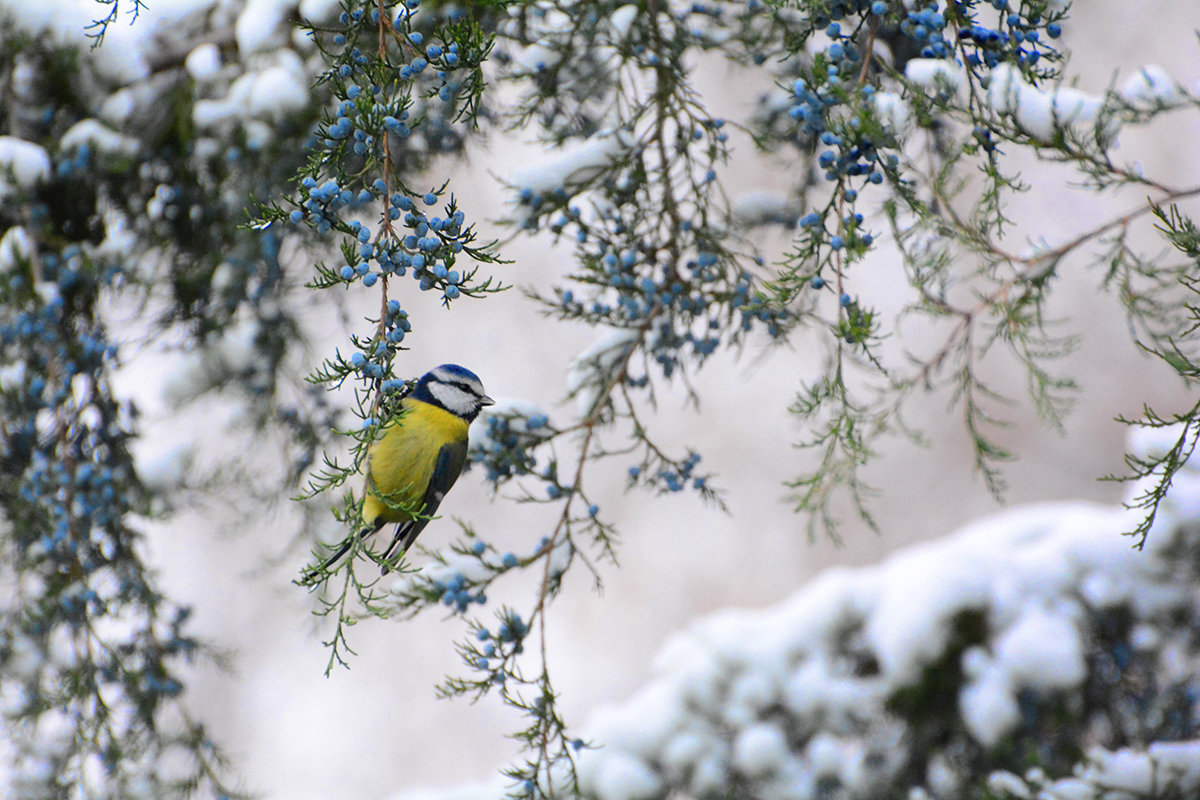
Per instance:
{"type": "Point", "coordinates": [418, 456]}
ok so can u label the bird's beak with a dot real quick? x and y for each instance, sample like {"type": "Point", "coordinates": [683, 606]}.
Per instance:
{"type": "Point", "coordinates": [486, 401]}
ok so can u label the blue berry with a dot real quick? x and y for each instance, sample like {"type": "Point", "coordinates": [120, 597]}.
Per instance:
{"type": "Point", "coordinates": [431, 199]}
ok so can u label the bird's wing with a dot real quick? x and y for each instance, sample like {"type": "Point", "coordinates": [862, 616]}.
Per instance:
{"type": "Point", "coordinates": [447, 468]}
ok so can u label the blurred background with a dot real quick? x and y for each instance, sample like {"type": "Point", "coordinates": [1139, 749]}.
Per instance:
{"type": "Point", "coordinates": [377, 728]}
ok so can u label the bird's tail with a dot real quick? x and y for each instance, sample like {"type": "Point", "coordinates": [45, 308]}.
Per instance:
{"type": "Point", "coordinates": [325, 565]}
{"type": "Point", "coordinates": [341, 551]}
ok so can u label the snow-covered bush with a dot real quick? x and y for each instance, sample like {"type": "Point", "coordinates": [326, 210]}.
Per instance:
{"type": "Point", "coordinates": [1034, 643]}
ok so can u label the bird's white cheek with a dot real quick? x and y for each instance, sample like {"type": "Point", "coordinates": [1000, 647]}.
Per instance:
{"type": "Point", "coordinates": [453, 399]}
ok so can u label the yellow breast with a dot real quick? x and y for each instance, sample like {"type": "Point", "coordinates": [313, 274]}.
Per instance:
{"type": "Point", "coordinates": [401, 460]}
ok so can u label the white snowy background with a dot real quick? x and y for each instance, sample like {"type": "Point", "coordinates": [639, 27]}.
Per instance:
{"type": "Point", "coordinates": [625, 673]}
